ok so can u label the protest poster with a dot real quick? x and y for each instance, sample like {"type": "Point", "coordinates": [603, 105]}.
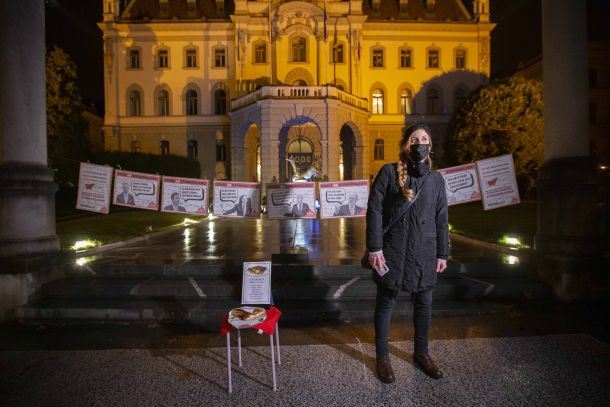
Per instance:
{"type": "Point", "coordinates": [291, 200]}
{"type": "Point", "coordinates": [94, 183]}
{"type": "Point", "coordinates": [461, 183]}
{"type": "Point", "coordinates": [136, 189]}
{"type": "Point", "coordinates": [343, 199]}
{"type": "Point", "coordinates": [498, 182]}
{"type": "Point", "coordinates": [256, 284]}
{"type": "Point", "coordinates": [237, 199]}
{"type": "Point", "coordinates": [184, 195]}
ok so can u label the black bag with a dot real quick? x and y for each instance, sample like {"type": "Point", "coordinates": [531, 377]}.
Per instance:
{"type": "Point", "coordinates": [364, 261]}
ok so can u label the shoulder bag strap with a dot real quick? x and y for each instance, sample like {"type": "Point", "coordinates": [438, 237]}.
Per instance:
{"type": "Point", "coordinates": [404, 212]}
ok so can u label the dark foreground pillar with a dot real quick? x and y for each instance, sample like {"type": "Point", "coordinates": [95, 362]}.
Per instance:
{"type": "Point", "coordinates": [27, 206]}
{"type": "Point", "coordinates": [571, 234]}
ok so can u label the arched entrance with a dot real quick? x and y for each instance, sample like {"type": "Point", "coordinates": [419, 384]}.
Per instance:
{"type": "Point", "coordinates": [252, 154]}
{"type": "Point", "coordinates": [347, 153]}
{"type": "Point", "coordinates": [299, 147]}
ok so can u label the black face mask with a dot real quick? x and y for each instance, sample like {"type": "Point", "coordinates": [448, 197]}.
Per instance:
{"type": "Point", "coordinates": [418, 152]}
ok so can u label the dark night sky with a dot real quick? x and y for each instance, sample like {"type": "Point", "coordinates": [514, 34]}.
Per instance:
{"type": "Point", "coordinates": [71, 24]}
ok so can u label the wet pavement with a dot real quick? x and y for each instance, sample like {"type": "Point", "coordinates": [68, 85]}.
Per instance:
{"type": "Point", "coordinates": [229, 241]}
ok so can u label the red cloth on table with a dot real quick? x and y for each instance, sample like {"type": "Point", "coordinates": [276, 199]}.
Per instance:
{"type": "Point", "coordinates": [267, 326]}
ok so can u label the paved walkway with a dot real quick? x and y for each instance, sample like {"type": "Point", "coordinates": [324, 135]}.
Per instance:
{"type": "Point", "coordinates": [232, 241]}
{"type": "Point", "coordinates": [561, 370]}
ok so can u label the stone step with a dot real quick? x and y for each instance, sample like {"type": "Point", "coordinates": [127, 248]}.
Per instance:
{"type": "Point", "coordinates": [210, 314]}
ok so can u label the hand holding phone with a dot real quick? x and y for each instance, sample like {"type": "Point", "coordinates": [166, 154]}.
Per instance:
{"type": "Point", "coordinates": [382, 269]}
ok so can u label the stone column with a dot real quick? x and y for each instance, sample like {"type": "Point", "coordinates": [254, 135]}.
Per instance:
{"type": "Point", "coordinates": [27, 191]}
{"type": "Point", "coordinates": [569, 231]}
{"type": "Point", "coordinates": [321, 60]}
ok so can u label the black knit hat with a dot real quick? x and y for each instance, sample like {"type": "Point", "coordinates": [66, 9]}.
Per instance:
{"type": "Point", "coordinates": [411, 129]}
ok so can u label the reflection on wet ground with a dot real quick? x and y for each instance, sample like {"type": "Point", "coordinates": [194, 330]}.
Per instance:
{"type": "Point", "coordinates": [226, 241]}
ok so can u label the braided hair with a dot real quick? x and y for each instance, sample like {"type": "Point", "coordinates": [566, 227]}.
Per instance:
{"type": "Point", "coordinates": [403, 155]}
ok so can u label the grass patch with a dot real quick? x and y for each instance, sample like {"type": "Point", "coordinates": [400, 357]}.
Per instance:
{"type": "Point", "coordinates": [117, 226]}
{"type": "Point", "coordinates": [517, 221]}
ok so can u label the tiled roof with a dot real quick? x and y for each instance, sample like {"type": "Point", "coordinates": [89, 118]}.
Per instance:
{"type": "Point", "coordinates": [416, 10]}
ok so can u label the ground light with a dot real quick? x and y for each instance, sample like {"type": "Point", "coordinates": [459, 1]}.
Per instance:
{"type": "Point", "coordinates": [85, 244]}
{"type": "Point", "coordinates": [188, 221]}
{"type": "Point", "coordinates": [507, 259]}
{"type": "Point", "coordinates": [81, 261]}
{"type": "Point", "coordinates": [512, 241]}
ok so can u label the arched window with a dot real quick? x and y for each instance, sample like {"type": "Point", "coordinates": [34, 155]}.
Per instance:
{"type": "Point", "coordinates": [135, 103]}
{"type": "Point", "coordinates": [191, 102]}
{"type": "Point", "coordinates": [405, 101]}
{"type": "Point", "coordinates": [163, 103]}
{"type": "Point", "coordinates": [299, 49]}
{"type": "Point", "coordinates": [377, 98]}
{"type": "Point", "coordinates": [220, 101]}
{"type": "Point", "coordinates": [379, 152]}
{"type": "Point", "coordinates": [433, 102]}
{"type": "Point", "coordinates": [299, 82]}
{"type": "Point", "coordinates": [338, 53]}
{"type": "Point", "coordinates": [460, 98]}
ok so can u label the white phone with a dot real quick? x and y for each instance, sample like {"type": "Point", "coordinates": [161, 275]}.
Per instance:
{"type": "Point", "coordinates": [384, 269]}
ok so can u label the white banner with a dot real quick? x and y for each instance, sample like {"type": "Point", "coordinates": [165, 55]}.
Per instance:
{"type": "Point", "coordinates": [237, 199]}
{"type": "Point", "coordinates": [343, 199]}
{"type": "Point", "coordinates": [291, 200]}
{"type": "Point", "coordinates": [498, 182]}
{"type": "Point", "coordinates": [256, 284]}
{"type": "Point", "coordinates": [136, 189]}
{"type": "Point", "coordinates": [184, 195]}
{"type": "Point", "coordinates": [462, 184]}
{"type": "Point", "coordinates": [94, 182]}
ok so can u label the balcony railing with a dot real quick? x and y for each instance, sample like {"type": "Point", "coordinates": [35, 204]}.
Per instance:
{"type": "Point", "coordinates": [299, 92]}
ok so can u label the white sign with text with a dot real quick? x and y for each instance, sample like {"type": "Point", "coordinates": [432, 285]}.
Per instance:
{"type": "Point", "coordinates": [136, 189]}
{"type": "Point", "coordinates": [184, 195]}
{"type": "Point", "coordinates": [461, 183]}
{"type": "Point", "coordinates": [343, 199]}
{"type": "Point", "coordinates": [237, 199]}
{"type": "Point", "coordinates": [256, 286]}
{"type": "Point", "coordinates": [94, 182]}
{"type": "Point", "coordinates": [291, 200]}
{"type": "Point", "coordinates": [498, 182]}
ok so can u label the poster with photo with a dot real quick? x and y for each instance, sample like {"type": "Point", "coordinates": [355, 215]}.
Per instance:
{"type": "Point", "coordinates": [291, 200]}
{"type": "Point", "coordinates": [94, 183]}
{"type": "Point", "coordinates": [343, 199]}
{"type": "Point", "coordinates": [498, 182]}
{"type": "Point", "coordinates": [256, 283]}
{"type": "Point", "coordinates": [237, 199]}
{"type": "Point", "coordinates": [462, 184]}
{"type": "Point", "coordinates": [136, 189]}
{"type": "Point", "coordinates": [184, 195]}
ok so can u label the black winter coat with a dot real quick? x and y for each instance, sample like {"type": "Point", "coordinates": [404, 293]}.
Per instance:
{"type": "Point", "coordinates": [414, 243]}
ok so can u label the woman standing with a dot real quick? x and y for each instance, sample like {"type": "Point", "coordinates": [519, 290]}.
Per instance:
{"type": "Point", "coordinates": [410, 201]}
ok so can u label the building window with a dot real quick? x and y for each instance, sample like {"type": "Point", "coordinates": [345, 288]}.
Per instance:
{"type": "Point", "coordinates": [377, 56]}
{"type": "Point", "coordinates": [433, 58]}
{"type": "Point", "coordinates": [260, 53]}
{"type": "Point", "coordinates": [135, 146]}
{"type": "Point", "coordinates": [163, 103]}
{"type": "Point", "coordinates": [460, 98]}
{"type": "Point", "coordinates": [191, 149]}
{"type": "Point", "coordinates": [134, 59]}
{"type": "Point", "coordinates": [377, 98]}
{"type": "Point", "coordinates": [460, 59]}
{"type": "Point", "coordinates": [433, 103]}
{"type": "Point", "coordinates": [163, 58]}
{"type": "Point", "coordinates": [592, 77]}
{"type": "Point", "coordinates": [220, 60]}
{"type": "Point", "coordinates": [135, 103]}
{"type": "Point", "coordinates": [191, 58]}
{"type": "Point", "coordinates": [406, 58]}
{"type": "Point", "coordinates": [191, 102]}
{"type": "Point", "coordinates": [299, 49]}
{"type": "Point", "coordinates": [220, 102]}
{"type": "Point", "coordinates": [592, 112]}
{"type": "Point", "coordinates": [338, 54]}
{"type": "Point", "coordinates": [405, 101]}
{"type": "Point", "coordinates": [164, 145]}
{"type": "Point", "coordinates": [378, 153]}
{"type": "Point", "coordinates": [221, 151]}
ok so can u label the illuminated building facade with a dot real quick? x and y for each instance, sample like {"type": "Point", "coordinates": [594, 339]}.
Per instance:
{"type": "Point", "coordinates": [245, 85]}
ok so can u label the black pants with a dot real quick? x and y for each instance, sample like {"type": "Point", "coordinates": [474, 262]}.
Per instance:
{"type": "Point", "coordinates": [422, 315]}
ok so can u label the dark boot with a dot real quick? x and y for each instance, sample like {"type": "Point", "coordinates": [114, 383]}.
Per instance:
{"type": "Point", "coordinates": [428, 366]}
{"type": "Point", "coordinates": [384, 369]}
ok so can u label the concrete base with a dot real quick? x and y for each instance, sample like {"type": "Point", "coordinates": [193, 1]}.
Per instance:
{"type": "Point", "coordinates": [293, 255]}
{"type": "Point", "coordinates": [22, 277]}
{"type": "Point", "coordinates": [576, 278]}
{"type": "Point", "coordinates": [27, 210]}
